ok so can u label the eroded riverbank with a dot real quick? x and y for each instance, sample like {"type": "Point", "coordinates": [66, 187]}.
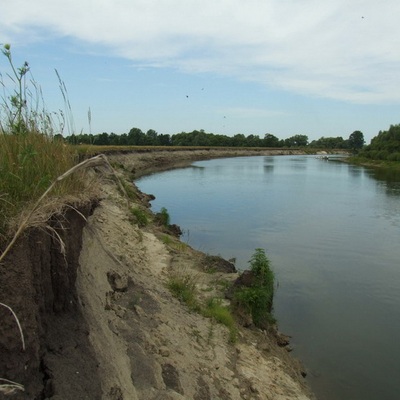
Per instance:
{"type": "Point", "coordinates": [121, 334]}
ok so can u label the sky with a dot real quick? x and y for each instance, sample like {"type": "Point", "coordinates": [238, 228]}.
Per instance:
{"type": "Point", "coordinates": [284, 67]}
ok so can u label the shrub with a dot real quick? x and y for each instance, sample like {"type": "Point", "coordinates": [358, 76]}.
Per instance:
{"type": "Point", "coordinates": [257, 297]}
{"type": "Point", "coordinates": [394, 156]}
{"type": "Point", "coordinates": [163, 218]}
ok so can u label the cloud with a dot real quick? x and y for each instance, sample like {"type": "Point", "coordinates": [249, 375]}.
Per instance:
{"type": "Point", "coordinates": [333, 49]}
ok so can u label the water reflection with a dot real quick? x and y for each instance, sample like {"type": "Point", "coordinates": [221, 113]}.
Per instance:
{"type": "Point", "coordinates": [389, 180]}
{"type": "Point", "coordinates": [268, 168]}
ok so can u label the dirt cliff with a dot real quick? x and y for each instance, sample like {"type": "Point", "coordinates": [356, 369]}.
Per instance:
{"type": "Point", "coordinates": [100, 323]}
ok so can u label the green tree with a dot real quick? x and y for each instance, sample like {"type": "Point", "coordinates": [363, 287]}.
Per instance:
{"type": "Point", "coordinates": [356, 141]}
{"type": "Point", "coordinates": [239, 140]}
{"type": "Point", "coordinates": [151, 137]}
{"type": "Point", "coordinates": [271, 140]}
{"type": "Point", "coordinates": [136, 137]}
{"type": "Point", "coordinates": [296, 141]}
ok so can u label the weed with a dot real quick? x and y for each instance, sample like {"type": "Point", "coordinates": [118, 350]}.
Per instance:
{"type": "Point", "coordinates": [224, 284]}
{"type": "Point", "coordinates": [183, 287]}
{"type": "Point", "coordinates": [167, 240]}
{"type": "Point", "coordinates": [174, 243]}
{"type": "Point", "coordinates": [163, 218]}
{"type": "Point", "coordinates": [140, 217]}
{"type": "Point", "coordinates": [221, 314]}
{"type": "Point", "coordinates": [257, 298]}
{"type": "Point", "coordinates": [129, 189]}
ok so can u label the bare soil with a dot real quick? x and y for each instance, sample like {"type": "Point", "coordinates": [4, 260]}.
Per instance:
{"type": "Point", "coordinates": [100, 323]}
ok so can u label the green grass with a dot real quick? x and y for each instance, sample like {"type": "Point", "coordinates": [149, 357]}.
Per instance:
{"type": "Point", "coordinates": [173, 243]}
{"type": "Point", "coordinates": [129, 190]}
{"type": "Point", "coordinates": [221, 314]}
{"type": "Point", "coordinates": [31, 155]}
{"type": "Point", "coordinates": [140, 217]}
{"type": "Point", "coordinates": [183, 287]}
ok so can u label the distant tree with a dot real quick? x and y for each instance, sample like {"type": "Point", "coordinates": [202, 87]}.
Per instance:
{"type": "Point", "coordinates": [296, 141]}
{"type": "Point", "coordinates": [270, 140]}
{"type": "Point", "coordinates": [329, 143]}
{"type": "Point", "coordinates": [239, 140]}
{"type": "Point", "coordinates": [253, 141]}
{"type": "Point", "coordinates": [123, 139]}
{"type": "Point", "coordinates": [114, 139]}
{"type": "Point", "coordinates": [151, 138]}
{"type": "Point", "coordinates": [102, 139]}
{"type": "Point", "coordinates": [136, 137]}
{"type": "Point", "coordinates": [164, 139]}
{"type": "Point", "coordinates": [356, 141]}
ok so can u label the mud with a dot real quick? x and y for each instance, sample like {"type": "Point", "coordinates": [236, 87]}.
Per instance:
{"type": "Point", "coordinates": [38, 281]}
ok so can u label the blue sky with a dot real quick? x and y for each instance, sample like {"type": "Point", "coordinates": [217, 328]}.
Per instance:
{"type": "Point", "coordinates": [286, 67]}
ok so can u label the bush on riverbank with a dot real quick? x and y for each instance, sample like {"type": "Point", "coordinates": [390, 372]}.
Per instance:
{"type": "Point", "coordinates": [254, 291]}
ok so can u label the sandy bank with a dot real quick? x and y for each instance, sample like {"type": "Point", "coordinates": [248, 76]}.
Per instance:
{"type": "Point", "coordinates": [100, 323]}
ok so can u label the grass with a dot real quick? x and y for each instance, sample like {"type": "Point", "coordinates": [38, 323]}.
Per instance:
{"type": "Point", "coordinates": [221, 314]}
{"type": "Point", "coordinates": [31, 155]}
{"type": "Point", "coordinates": [127, 189]}
{"type": "Point", "coordinates": [29, 163]}
{"type": "Point", "coordinates": [140, 217]}
{"type": "Point", "coordinates": [173, 243]}
{"type": "Point", "coordinates": [183, 287]}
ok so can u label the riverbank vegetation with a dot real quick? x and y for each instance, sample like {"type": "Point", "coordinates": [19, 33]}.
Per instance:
{"type": "Point", "coordinates": [31, 156]}
{"type": "Point", "coordinates": [255, 293]}
{"type": "Point", "coordinates": [384, 147]}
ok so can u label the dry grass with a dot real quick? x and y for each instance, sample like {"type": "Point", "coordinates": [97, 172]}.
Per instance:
{"type": "Point", "coordinates": [29, 164]}
{"type": "Point", "coordinates": [29, 219]}
{"type": "Point", "coordinates": [8, 388]}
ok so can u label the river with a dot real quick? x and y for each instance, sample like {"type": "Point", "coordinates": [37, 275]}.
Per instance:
{"type": "Point", "coordinates": [332, 233]}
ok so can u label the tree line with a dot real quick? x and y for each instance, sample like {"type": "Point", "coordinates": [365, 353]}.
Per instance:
{"type": "Point", "coordinates": [384, 146]}
{"type": "Point", "coordinates": [136, 137]}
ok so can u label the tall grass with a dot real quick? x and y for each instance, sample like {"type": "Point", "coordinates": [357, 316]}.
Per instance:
{"type": "Point", "coordinates": [32, 155]}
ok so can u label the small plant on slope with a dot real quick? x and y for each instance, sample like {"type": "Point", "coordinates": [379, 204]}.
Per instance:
{"type": "Point", "coordinates": [257, 297]}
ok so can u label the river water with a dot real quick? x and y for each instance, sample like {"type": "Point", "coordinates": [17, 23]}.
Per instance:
{"type": "Point", "coordinates": [332, 233]}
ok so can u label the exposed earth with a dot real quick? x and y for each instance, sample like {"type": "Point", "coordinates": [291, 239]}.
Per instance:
{"type": "Point", "coordinates": [100, 322]}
